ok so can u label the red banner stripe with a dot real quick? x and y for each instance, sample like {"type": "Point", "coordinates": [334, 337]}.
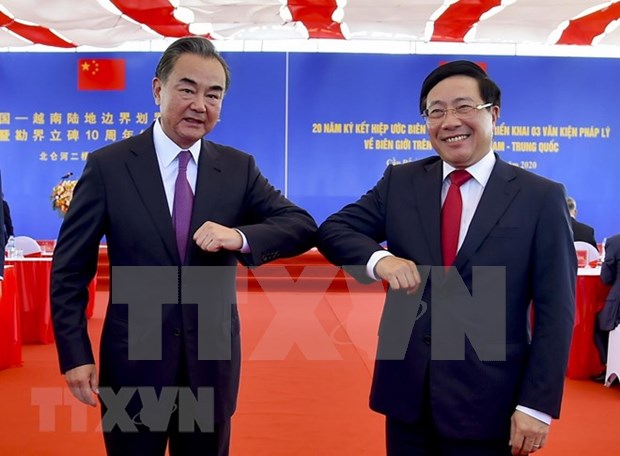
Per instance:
{"type": "Point", "coordinates": [459, 18]}
{"type": "Point", "coordinates": [316, 15]}
{"type": "Point", "coordinates": [34, 33]}
{"type": "Point", "coordinates": [155, 14]}
{"type": "Point", "coordinates": [586, 28]}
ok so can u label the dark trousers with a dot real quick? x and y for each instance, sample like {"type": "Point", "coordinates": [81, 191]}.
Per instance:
{"type": "Point", "coordinates": [601, 340]}
{"type": "Point", "coordinates": [146, 442]}
{"type": "Point", "coordinates": [422, 439]}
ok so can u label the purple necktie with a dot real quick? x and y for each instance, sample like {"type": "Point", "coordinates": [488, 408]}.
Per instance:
{"type": "Point", "coordinates": [182, 205]}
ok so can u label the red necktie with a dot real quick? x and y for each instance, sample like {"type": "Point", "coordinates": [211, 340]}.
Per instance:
{"type": "Point", "coordinates": [451, 216]}
{"type": "Point", "coordinates": [183, 204]}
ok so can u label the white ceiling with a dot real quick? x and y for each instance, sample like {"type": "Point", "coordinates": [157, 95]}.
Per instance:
{"type": "Point", "coordinates": [416, 26]}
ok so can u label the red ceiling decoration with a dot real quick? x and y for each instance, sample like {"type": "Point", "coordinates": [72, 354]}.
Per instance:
{"type": "Point", "coordinates": [111, 23]}
{"type": "Point", "coordinates": [158, 15]}
{"type": "Point", "coordinates": [459, 18]}
{"type": "Point", "coordinates": [586, 28]}
{"type": "Point", "coordinates": [316, 15]}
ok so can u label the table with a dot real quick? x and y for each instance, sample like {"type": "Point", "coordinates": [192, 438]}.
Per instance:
{"type": "Point", "coordinates": [10, 329]}
{"type": "Point", "coordinates": [33, 298]}
{"type": "Point", "coordinates": [590, 294]}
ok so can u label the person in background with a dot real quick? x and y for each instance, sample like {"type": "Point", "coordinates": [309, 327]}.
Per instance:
{"type": "Point", "coordinates": [169, 200]}
{"type": "Point", "coordinates": [609, 316]}
{"type": "Point", "coordinates": [509, 219]}
{"type": "Point", "coordinates": [581, 231]}
{"type": "Point", "coordinates": [8, 222]}
{"type": "Point", "coordinates": [5, 238]}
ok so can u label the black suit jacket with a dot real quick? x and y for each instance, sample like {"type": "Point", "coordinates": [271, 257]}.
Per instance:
{"type": "Point", "coordinates": [7, 224]}
{"type": "Point", "coordinates": [121, 195]}
{"type": "Point", "coordinates": [3, 236]}
{"type": "Point", "coordinates": [609, 316]}
{"type": "Point", "coordinates": [521, 224]}
{"type": "Point", "coordinates": [583, 232]}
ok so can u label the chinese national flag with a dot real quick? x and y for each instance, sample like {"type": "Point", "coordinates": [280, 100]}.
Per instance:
{"type": "Point", "coordinates": [101, 74]}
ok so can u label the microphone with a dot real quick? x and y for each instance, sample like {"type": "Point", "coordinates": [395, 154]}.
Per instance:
{"type": "Point", "coordinates": [67, 176]}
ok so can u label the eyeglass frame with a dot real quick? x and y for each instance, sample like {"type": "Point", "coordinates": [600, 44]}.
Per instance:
{"type": "Point", "coordinates": [478, 107]}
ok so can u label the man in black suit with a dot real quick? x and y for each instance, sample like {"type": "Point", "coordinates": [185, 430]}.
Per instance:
{"type": "Point", "coordinates": [514, 247]}
{"type": "Point", "coordinates": [8, 222]}
{"type": "Point", "coordinates": [131, 192]}
{"type": "Point", "coordinates": [4, 239]}
{"type": "Point", "coordinates": [609, 316]}
{"type": "Point", "coordinates": [581, 231]}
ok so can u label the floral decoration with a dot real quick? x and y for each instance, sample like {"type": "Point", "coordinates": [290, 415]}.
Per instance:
{"type": "Point", "coordinates": [61, 196]}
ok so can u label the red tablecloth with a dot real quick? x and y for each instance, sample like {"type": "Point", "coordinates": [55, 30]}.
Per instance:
{"type": "Point", "coordinates": [583, 361]}
{"type": "Point", "coordinates": [33, 297]}
{"type": "Point", "coordinates": [10, 330]}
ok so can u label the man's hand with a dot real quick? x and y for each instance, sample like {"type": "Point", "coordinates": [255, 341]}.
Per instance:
{"type": "Point", "coordinates": [527, 434]}
{"type": "Point", "coordinates": [82, 382]}
{"type": "Point", "coordinates": [401, 274]}
{"type": "Point", "coordinates": [212, 237]}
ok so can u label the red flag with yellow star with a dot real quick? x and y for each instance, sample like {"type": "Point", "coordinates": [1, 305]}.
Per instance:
{"type": "Point", "coordinates": [101, 74]}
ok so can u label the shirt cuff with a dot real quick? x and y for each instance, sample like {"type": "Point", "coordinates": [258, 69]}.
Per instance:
{"type": "Point", "coordinates": [245, 247]}
{"type": "Point", "coordinates": [540, 416]}
{"type": "Point", "coordinates": [373, 260]}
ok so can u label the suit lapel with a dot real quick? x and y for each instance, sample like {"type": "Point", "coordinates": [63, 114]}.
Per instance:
{"type": "Point", "coordinates": [144, 170]}
{"type": "Point", "coordinates": [497, 196]}
{"type": "Point", "coordinates": [427, 190]}
{"type": "Point", "coordinates": [208, 185]}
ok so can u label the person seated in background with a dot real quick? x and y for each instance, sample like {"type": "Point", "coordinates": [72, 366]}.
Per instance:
{"type": "Point", "coordinates": [581, 231]}
{"type": "Point", "coordinates": [609, 316]}
{"type": "Point", "coordinates": [8, 223]}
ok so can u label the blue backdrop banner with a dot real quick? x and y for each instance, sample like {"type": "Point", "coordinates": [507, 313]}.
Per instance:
{"type": "Point", "coordinates": [322, 127]}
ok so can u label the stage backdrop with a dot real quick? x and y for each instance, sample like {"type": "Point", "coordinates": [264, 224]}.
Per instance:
{"type": "Point", "coordinates": [322, 127]}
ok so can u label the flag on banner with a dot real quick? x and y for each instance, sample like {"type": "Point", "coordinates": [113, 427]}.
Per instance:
{"type": "Point", "coordinates": [101, 74]}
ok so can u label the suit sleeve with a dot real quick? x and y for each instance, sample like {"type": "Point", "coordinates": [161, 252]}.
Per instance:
{"type": "Point", "coordinates": [610, 264]}
{"type": "Point", "coordinates": [591, 238]}
{"type": "Point", "coordinates": [73, 267]}
{"type": "Point", "coordinates": [275, 227]}
{"type": "Point", "coordinates": [349, 237]}
{"type": "Point", "coordinates": [552, 279]}
{"type": "Point", "coordinates": [8, 222]}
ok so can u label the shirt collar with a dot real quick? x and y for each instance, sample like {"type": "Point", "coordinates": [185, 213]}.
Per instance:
{"type": "Point", "coordinates": [167, 149]}
{"type": "Point", "coordinates": [481, 171]}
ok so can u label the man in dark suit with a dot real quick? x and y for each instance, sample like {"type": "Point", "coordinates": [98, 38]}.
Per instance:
{"type": "Point", "coordinates": [133, 192]}
{"type": "Point", "coordinates": [3, 239]}
{"type": "Point", "coordinates": [8, 222]}
{"type": "Point", "coordinates": [515, 247]}
{"type": "Point", "coordinates": [609, 316]}
{"type": "Point", "coordinates": [581, 231]}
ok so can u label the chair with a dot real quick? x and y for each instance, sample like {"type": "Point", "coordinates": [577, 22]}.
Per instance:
{"type": "Point", "coordinates": [613, 357]}
{"type": "Point", "coordinates": [29, 246]}
{"type": "Point", "coordinates": [592, 254]}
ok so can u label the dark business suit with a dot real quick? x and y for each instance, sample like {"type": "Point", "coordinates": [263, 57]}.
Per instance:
{"type": "Point", "coordinates": [583, 232]}
{"type": "Point", "coordinates": [8, 222]}
{"type": "Point", "coordinates": [121, 195]}
{"type": "Point", "coordinates": [3, 236]}
{"type": "Point", "coordinates": [522, 223]}
{"type": "Point", "coordinates": [609, 316]}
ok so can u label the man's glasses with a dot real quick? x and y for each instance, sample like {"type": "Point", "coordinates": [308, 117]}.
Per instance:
{"type": "Point", "coordinates": [437, 115]}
